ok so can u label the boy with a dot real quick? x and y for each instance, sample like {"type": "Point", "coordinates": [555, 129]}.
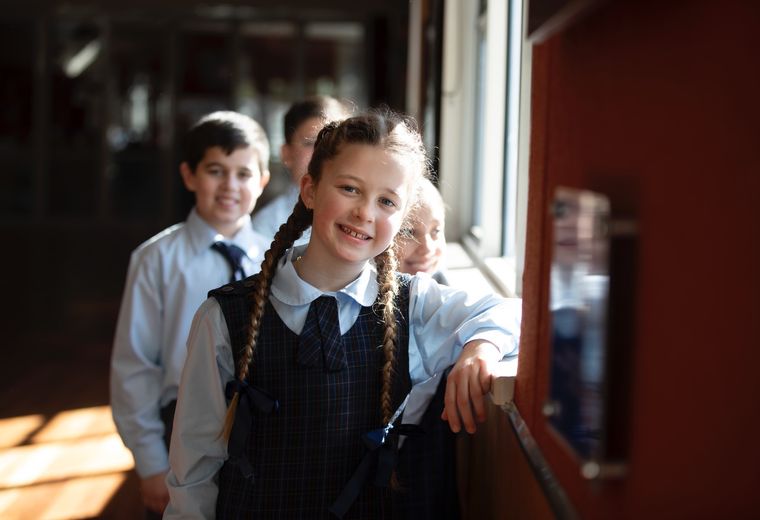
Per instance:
{"type": "Point", "coordinates": [302, 122]}
{"type": "Point", "coordinates": [225, 164]}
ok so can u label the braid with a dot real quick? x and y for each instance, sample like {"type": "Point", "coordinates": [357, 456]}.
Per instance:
{"type": "Point", "coordinates": [289, 232]}
{"type": "Point", "coordinates": [388, 286]}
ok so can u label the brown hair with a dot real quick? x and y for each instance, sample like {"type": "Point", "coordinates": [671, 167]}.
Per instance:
{"type": "Point", "coordinates": [229, 131]}
{"type": "Point", "coordinates": [397, 134]}
{"type": "Point", "coordinates": [325, 108]}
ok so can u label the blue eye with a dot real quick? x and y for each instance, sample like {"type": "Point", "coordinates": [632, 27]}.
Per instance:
{"type": "Point", "coordinates": [349, 189]}
{"type": "Point", "coordinates": [387, 202]}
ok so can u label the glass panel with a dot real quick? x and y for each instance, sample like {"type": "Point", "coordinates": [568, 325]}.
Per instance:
{"type": "Point", "coordinates": [76, 118]}
{"type": "Point", "coordinates": [334, 60]}
{"type": "Point", "coordinates": [579, 296]}
{"type": "Point", "coordinates": [16, 61]}
{"type": "Point", "coordinates": [135, 167]}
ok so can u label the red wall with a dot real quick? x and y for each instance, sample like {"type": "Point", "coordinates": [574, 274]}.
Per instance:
{"type": "Point", "coordinates": [657, 104]}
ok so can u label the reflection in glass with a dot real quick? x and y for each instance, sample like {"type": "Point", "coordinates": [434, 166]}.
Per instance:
{"type": "Point", "coordinates": [578, 299]}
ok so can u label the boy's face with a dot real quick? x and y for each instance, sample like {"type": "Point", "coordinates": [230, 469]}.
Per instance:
{"type": "Point", "coordinates": [226, 187]}
{"type": "Point", "coordinates": [297, 153]}
{"type": "Point", "coordinates": [423, 249]}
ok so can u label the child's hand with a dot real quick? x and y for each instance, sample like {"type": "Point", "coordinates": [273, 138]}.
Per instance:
{"type": "Point", "coordinates": [155, 495]}
{"type": "Point", "coordinates": [467, 385]}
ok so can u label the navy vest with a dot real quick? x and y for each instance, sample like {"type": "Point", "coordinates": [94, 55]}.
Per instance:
{"type": "Point", "coordinates": [304, 454]}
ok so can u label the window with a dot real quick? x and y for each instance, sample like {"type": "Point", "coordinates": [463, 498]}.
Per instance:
{"type": "Point", "coordinates": [484, 172]}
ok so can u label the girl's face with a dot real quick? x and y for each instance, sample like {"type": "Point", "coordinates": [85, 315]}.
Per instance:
{"type": "Point", "coordinates": [422, 249]}
{"type": "Point", "coordinates": [359, 204]}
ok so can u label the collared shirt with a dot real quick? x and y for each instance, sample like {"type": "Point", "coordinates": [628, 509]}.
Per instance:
{"type": "Point", "coordinates": [169, 277]}
{"type": "Point", "coordinates": [269, 218]}
{"type": "Point", "coordinates": [441, 321]}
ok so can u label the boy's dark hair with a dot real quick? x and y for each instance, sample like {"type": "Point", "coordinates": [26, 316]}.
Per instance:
{"type": "Point", "coordinates": [229, 131]}
{"type": "Point", "coordinates": [325, 108]}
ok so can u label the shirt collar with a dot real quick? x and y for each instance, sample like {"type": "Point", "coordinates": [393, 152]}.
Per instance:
{"type": "Point", "coordinates": [290, 289]}
{"type": "Point", "coordinates": [202, 235]}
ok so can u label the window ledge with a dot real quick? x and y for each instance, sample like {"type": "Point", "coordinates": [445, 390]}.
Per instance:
{"type": "Point", "coordinates": [488, 276]}
{"type": "Point", "coordinates": [500, 271]}
{"type": "Point", "coordinates": [503, 382]}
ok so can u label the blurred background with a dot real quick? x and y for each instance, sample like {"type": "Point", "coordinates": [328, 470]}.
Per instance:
{"type": "Point", "coordinates": [95, 96]}
{"type": "Point", "coordinates": [651, 104]}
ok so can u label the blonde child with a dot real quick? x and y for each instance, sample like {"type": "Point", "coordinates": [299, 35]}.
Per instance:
{"type": "Point", "coordinates": [316, 365]}
{"type": "Point", "coordinates": [303, 120]}
{"type": "Point", "coordinates": [422, 245]}
{"type": "Point", "coordinates": [225, 165]}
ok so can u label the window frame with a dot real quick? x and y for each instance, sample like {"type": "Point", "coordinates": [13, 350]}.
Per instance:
{"type": "Point", "coordinates": [498, 197]}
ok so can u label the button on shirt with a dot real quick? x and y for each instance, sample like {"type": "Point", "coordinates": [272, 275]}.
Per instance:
{"type": "Point", "coordinates": [169, 277]}
{"type": "Point", "coordinates": [441, 321]}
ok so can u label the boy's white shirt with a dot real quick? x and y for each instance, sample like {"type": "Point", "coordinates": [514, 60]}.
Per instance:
{"type": "Point", "coordinates": [269, 218]}
{"type": "Point", "coordinates": [441, 321]}
{"type": "Point", "coordinates": [168, 278]}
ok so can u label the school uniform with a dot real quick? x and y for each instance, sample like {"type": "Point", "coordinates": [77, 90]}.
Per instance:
{"type": "Point", "coordinates": [435, 324]}
{"type": "Point", "coordinates": [269, 218]}
{"type": "Point", "coordinates": [168, 278]}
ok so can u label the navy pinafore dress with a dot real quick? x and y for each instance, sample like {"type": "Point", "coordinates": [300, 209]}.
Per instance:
{"type": "Point", "coordinates": [303, 454]}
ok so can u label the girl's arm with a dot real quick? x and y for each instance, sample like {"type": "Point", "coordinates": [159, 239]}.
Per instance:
{"type": "Point", "coordinates": [468, 384]}
{"type": "Point", "coordinates": [197, 450]}
{"type": "Point", "coordinates": [449, 325]}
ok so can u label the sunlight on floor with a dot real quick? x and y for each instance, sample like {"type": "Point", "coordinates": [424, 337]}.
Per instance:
{"type": "Point", "coordinates": [68, 467]}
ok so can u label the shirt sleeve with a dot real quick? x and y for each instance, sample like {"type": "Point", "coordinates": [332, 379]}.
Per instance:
{"type": "Point", "coordinates": [197, 448]}
{"type": "Point", "coordinates": [266, 220]}
{"type": "Point", "coordinates": [442, 319]}
{"type": "Point", "coordinates": [136, 366]}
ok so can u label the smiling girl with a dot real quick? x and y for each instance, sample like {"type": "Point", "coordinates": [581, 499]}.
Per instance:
{"type": "Point", "coordinates": [316, 365]}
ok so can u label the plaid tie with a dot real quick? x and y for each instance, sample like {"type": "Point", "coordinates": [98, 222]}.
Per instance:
{"type": "Point", "coordinates": [234, 256]}
{"type": "Point", "coordinates": [320, 343]}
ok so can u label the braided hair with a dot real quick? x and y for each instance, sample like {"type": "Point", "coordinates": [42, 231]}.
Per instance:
{"type": "Point", "coordinates": [395, 133]}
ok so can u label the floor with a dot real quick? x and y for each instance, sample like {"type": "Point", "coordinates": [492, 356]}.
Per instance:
{"type": "Point", "coordinates": [60, 457]}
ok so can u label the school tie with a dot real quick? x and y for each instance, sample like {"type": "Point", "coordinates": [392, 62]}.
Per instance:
{"type": "Point", "coordinates": [320, 343]}
{"type": "Point", "coordinates": [234, 256]}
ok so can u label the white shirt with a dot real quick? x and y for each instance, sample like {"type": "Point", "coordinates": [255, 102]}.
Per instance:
{"type": "Point", "coordinates": [441, 321]}
{"type": "Point", "coordinates": [169, 277]}
{"type": "Point", "coordinates": [269, 218]}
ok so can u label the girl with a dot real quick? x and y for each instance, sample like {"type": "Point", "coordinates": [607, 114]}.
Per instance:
{"type": "Point", "coordinates": [421, 246]}
{"type": "Point", "coordinates": [319, 362]}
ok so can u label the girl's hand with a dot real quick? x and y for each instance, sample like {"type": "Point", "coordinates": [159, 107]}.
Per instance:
{"type": "Point", "coordinates": [467, 385]}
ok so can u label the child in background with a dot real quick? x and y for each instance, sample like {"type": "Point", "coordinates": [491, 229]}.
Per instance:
{"type": "Point", "coordinates": [303, 120]}
{"type": "Point", "coordinates": [422, 245]}
{"type": "Point", "coordinates": [225, 164]}
{"type": "Point", "coordinates": [313, 368]}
